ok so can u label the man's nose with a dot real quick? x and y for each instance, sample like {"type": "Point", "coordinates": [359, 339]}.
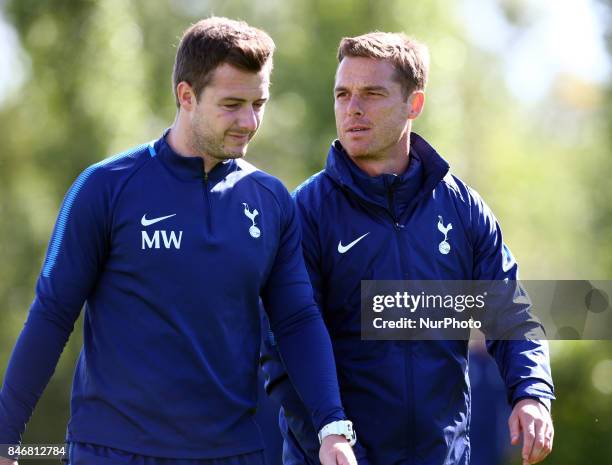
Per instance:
{"type": "Point", "coordinates": [248, 119]}
{"type": "Point", "coordinates": [354, 106]}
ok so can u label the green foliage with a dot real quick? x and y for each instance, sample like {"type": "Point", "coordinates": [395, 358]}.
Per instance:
{"type": "Point", "coordinates": [98, 81]}
{"type": "Point", "coordinates": [583, 415]}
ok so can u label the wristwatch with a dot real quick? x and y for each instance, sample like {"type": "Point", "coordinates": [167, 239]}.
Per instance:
{"type": "Point", "coordinates": [342, 427]}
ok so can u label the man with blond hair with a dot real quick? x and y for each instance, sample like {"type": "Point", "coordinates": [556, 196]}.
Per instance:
{"type": "Point", "coordinates": [386, 208]}
{"type": "Point", "coordinates": [171, 245]}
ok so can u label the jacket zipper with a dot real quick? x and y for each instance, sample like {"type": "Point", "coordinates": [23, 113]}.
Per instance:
{"type": "Point", "coordinates": [408, 345]}
{"type": "Point", "coordinates": [209, 213]}
{"type": "Point", "coordinates": [391, 200]}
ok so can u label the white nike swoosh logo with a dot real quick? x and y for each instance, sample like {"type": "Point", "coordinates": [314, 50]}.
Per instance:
{"type": "Point", "coordinates": [345, 248]}
{"type": "Point", "coordinates": [146, 222]}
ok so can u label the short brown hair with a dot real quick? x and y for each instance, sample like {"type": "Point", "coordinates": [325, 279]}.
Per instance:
{"type": "Point", "coordinates": [213, 41]}
{"type": "Point", "coordinates": [409, 57]}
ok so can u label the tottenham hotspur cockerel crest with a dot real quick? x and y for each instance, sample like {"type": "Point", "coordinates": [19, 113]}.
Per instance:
{"type": "Point", "coordinates": [254, 231]}
{"type": "Point", "coordinates": [444, 247]}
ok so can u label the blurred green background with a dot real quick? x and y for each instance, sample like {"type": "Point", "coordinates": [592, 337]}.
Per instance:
{"type": "Point", "coordinates": [519, 102]}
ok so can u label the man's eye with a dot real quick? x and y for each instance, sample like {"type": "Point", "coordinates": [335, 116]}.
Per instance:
{"type": "Point", "coordinates": [375, 94]}
{"type": "Point", "coordinates": [341, 95]}
{"type": "Point", "coordinates": [231, 106]}
{"type": "Point", "coordinates": [258, 105]}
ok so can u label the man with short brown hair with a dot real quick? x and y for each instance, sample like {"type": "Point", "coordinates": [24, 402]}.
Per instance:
{"type": "Point", "coordinates": [216, 40]}
{"type": "Point", "coordinates": [171, 245]}
{"type": "Point", "coordinates": [386, 208]}
{"type": "Point", "coordinates": [409, 57]}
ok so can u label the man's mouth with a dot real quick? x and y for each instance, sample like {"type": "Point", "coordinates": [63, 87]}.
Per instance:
{"type": "Point", "coordinates": [239, 136]}
{"type": "Point", "coordinates": [356, 129]}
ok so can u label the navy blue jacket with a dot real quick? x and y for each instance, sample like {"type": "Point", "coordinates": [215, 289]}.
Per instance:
{"type": "Point", "coordinates": [409, 400]}
{"type": "Point", "coordinates": [171, 264]}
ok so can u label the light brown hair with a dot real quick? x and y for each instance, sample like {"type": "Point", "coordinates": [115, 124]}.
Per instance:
{"type": "Point", "coordinates": [216, 40]}
{"type": "Point", "coordinates": [409, 57]}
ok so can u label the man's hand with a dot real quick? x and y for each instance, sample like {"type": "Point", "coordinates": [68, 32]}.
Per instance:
{"type": "Point", "coordinates": [533, 419]}
{"type": "Point", "coordinates": [335, 450]}
{"type": "Point", "coordinates": [5, 461]}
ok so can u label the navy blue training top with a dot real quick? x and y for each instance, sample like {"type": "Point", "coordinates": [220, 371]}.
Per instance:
{"type": "Point", "coordinates": [171, 264]}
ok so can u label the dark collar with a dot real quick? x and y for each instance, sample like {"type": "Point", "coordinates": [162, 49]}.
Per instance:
{"type": "Point", "coordinates": [187, 168]}
{"type": "Point", "coordinates": [395, 193]}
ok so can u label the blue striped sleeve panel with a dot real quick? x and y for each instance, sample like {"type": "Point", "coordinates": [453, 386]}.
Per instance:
{"type": "Point", "coordinates": [66, 210]}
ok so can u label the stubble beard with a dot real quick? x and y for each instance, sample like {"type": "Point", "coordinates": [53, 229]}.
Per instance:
{"type": "Point", "coordinates": [365, 153]}
{"type": "Point", "coordinates": [205, 143]}
{"type": "Point", "coordinates": [375, 150]}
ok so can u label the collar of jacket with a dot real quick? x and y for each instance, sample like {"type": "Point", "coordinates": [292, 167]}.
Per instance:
{"type": "Point", "coordinates": [394, 193]}
{"type": "Point", "coordinates": [189, 168]}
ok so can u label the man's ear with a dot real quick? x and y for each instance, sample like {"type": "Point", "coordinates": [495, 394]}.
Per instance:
{"type": "Point", "coordinates": [417, 102]}
{"type": "Point", "coordinates": [186, 96]}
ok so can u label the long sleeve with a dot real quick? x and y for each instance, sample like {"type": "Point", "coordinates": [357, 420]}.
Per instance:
{"type": "Point", "coordinates": [75, 255]}
{"type": "Point", "coordinates": [278, 385]}
{"type": "Point", "coordinates": [302, 338]}
{"type": "Point", "coordinates": [524, 364]}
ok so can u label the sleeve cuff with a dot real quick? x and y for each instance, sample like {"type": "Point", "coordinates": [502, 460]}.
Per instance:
{"type": "Point", "coordinates": [545, 402]}
{"type": "Point", "coordinates": [337, 415]}
{"type": "Point", "coordinates": [533, 389]}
